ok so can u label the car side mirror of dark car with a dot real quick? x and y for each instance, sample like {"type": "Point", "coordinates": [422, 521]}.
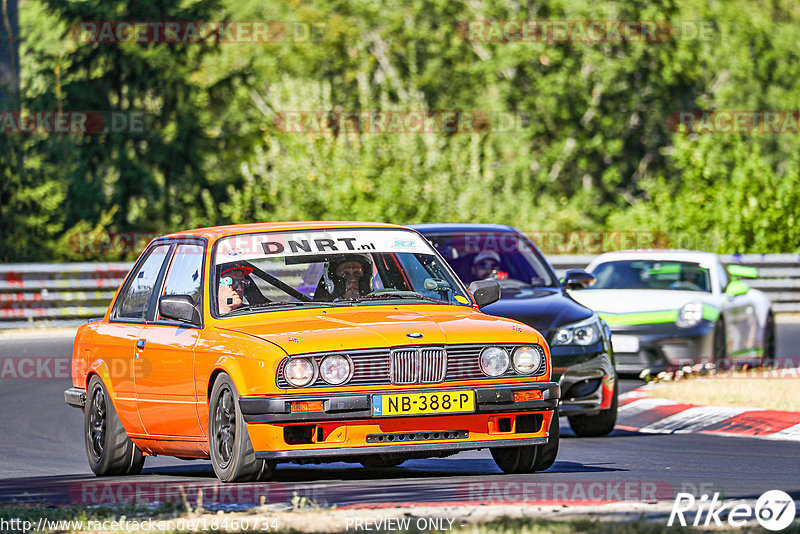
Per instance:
{"type": "Point", "coordinates": [485, 292]}
{"type": "Point", "coordinates": [577, 279]}
{"type": "Point", "coordinates": [180, 308]}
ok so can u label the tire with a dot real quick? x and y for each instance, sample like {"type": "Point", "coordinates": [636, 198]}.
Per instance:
{"type": "Point", "coordinates": [521, 460]}
{"type": "Point", "coordinates": [514, 460]}
{"type": "Point", "coordinates": [594, 426]}
{"type": "Point", "coordinates": [228, 441]}
{"type": "Point", "coordinates": [768, 347]}
{"type": "Point", "coordinates": [375, 461]}
{"type": "Point", "coordinates": [720, 345]}
{"type": "Point", "coordinates": [546, 454]}
{"type": "Point", "coordinates": [109, 449]}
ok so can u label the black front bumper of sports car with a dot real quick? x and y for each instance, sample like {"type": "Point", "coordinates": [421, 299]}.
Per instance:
{"type": "Point", "coordinates": [582, 373]}
{"type": "Point", "coordinates": [665, 346]}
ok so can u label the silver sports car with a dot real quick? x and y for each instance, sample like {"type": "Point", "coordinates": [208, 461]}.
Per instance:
{"type": "Point", "coordinates": [670, 308]}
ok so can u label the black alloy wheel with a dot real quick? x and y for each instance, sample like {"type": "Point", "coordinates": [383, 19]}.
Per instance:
{"type": "Point", "coordinates": [225, 427]}
{"type": "Point", "coordinates": [97, 424]}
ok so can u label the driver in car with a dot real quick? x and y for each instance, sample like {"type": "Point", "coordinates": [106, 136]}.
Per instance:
{"type": "Point", "coordinates": [486, 265]}
{"type": "Point", "coordinates": [689, 280]}
{"type": "Point", "coordinates": [348, 277]}
{"type": "Point", "coordinates": [234, 283]}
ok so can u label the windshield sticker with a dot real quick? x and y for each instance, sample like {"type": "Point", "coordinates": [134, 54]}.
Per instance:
{"type": "Point", "coordinates": [253, 247]}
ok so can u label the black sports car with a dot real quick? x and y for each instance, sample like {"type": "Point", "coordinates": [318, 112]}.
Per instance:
{"type": "Point", "coordinates": [580, 342]}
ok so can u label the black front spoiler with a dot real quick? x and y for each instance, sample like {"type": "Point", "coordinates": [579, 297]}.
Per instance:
{"type": "Point", "coordinates": [75, 397]}
{"type": "Point", "coordinates": [384, 449]}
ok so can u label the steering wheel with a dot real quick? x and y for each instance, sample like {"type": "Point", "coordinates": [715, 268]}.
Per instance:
{"type": "Point", "coordinates": [685, 286]}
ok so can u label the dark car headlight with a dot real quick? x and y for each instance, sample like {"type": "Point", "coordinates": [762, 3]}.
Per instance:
{"type": "Point", "coordinates": [583, 333]}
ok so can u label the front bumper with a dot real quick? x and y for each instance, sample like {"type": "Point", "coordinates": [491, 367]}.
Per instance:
{"type": "Point", "coordinates": [665, 346]}
{"type": "Point", "coordinates": [347, 428]}
{"type": "Point", "coordinates": [586, 376]}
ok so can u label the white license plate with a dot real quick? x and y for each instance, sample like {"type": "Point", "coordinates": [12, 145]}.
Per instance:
{"type": "Point", "coordinates": [625, 343]}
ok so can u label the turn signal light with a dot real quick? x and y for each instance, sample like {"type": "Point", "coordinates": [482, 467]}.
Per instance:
{"type": "Point", "coordinates": [530, 395]}
{"type": "Point", "coordinates": [307, 406]}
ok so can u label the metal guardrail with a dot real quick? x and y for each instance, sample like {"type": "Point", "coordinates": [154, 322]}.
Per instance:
{"type": "Point", "coordinates": [57, 294]}
{"type": "Point", "coordinates": [68, 294]}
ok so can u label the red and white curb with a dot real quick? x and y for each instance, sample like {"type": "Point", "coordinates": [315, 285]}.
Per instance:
{"type": "Point", "coordinates": [641, 413]}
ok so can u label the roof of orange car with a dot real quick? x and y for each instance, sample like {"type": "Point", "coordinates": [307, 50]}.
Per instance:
{"type": "Point", "coordinates": [215, 232]}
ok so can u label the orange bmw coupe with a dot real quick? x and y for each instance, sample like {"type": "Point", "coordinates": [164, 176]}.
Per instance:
{"type": "Point", "coordinates": [305, 342]}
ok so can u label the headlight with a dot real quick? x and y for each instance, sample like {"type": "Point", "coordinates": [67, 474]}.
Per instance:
{"type": "Point", "coordinates": [335, 370]}
{"type": "Point", "coordinates": [494, 361]}
{"type": "Point", "coordinates": [528, 359]}
{"type": "Point", "coordinates": [690, 315]}
{"type": "Point", "coordinates": [300, 372]}
{"type": "Point", "coordinates": [586, 332]}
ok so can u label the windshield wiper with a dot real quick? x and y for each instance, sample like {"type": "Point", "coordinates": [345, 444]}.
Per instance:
{"type": "Point", "coordinates": [400, 295]}
{"type": "Point", "coordinates": [274, 304]}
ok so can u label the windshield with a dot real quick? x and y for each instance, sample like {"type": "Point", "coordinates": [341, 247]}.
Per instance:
{"type": "Point", "coordinates": [268, 271]}
{"type": "Point", "coordinates": [652, 274]}
{"type": "Point", "coordinates": [502, 256]}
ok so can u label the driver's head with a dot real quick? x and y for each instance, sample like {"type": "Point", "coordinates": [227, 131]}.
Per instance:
{"type": "Point", "coordinates": [350, 276]}
{"type": "Point", "coordinates": [485, 264]}
{"type": "Point", "coordinates": [233, 281]}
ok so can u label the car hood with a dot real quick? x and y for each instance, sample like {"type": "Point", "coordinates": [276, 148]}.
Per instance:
{"type": "Point", "coordinates": [637, 300]}
{"type": "Point", "coordinates": [370, 327]}
{"type": "Point", "coordinates": [542, 308]}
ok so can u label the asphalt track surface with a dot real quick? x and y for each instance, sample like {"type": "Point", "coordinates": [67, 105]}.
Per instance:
{"type": "Point", "coordinates": [42, 458]}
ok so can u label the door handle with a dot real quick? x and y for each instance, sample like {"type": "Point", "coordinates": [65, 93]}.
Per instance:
{"type": "Point", "coordinates": [140, 344]}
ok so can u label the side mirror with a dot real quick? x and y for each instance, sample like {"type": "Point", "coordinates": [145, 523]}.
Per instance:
{"type": "Point", "coordinates": [736, 288]}
{"type": "Point", "coordinates": [742, 271]}
{"type": "Point", "coordinates": [432, 284]}
{"type": "Point", "coordinates": [577, 279]}
{"type": "Point", "coordinates": [485, 292]}
{"type": "Point", "coordinates": [180, 308]}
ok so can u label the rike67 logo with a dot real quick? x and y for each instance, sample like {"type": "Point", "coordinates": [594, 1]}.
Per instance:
{"type": "Point", "coordinates": [774, 510]}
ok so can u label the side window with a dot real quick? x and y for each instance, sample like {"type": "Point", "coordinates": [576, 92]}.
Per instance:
{"type": "Point", "coordinates": [185, 276]}
{"type": "Point", "coordinates": [132, 304]}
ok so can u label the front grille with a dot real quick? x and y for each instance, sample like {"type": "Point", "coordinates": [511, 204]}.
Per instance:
{"type": "Point", "coordinates": [433, 366]}
{"type": "Point", "coordinates": [413, 366]}
{"type": "Point", "coordinates": [417, 436]}
{"type": "Point", "coordinates": [404, 367]}
{"type": "Point", "coordinates": [410, 365]}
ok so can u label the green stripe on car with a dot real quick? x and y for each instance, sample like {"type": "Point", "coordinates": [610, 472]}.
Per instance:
{"type": "Point", "coordinates": [655, 317]}
{"type": "Point", "coordinates": [710, 313]}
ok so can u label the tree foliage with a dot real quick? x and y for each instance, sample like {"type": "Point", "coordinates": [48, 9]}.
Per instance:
{"type": "Point", "coordinates": [591, 149]}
